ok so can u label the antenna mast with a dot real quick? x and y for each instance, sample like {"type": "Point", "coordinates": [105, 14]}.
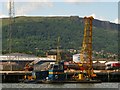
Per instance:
{"type": "Point", "coordinates": [11, 20]}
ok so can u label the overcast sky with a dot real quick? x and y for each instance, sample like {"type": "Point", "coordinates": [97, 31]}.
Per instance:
{"type": "Point", "coordinates": [106, 10]}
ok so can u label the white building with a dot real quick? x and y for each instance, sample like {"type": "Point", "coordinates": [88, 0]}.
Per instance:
{"type": "Point", "coordinates": [76, 58]}
{"type": "Point", "coordinates": [22, 57]}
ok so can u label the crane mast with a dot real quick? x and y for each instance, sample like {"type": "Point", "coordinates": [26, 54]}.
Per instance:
{"type": "Point", "coordinates": [58, 58]}
{"type": "Point", "coordinates": [86, 51]}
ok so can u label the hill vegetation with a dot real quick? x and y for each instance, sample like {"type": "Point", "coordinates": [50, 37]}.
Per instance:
{"type": "Point", "coordinates": [29, 33]}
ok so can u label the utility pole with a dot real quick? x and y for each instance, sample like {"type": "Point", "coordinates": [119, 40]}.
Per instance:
{"type": "Point", "coordinates": [11, 21]}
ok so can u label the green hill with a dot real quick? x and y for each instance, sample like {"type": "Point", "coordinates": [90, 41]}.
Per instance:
{"type": "Point", "coordinates": [29, 33]}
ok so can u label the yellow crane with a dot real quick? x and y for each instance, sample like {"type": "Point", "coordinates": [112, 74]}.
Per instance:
{"type": "Point", "coordinates": [86, 50]}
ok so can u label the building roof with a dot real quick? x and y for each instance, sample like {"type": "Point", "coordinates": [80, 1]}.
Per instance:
{"type": "Point", "coordinates": [19, 54]}
{"type": "Point", "coordinates": [21, 57]}
{"type": "Point", "coordinates": [110, 62]}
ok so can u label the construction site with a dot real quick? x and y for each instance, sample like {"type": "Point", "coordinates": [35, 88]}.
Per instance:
{"type": "Point", "coordinates": [30, 69]}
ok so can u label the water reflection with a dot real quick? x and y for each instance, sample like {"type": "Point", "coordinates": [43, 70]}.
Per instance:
{"type": "Point", "coordinates": [78, 85]}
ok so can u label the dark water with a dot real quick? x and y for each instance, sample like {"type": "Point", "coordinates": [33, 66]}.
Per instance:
{"type": "Point", "coordinates": [77, 85]}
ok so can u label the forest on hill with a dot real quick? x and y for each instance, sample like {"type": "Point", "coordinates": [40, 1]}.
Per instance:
{"type": "Point", "coordinates": [29, 33]}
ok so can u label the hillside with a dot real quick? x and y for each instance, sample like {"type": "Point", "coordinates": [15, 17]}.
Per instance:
{"type": "Point", "coordinates": [41, 32]}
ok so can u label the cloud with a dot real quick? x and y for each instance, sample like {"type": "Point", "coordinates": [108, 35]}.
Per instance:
{"type": "Point", "coordinates": [7, 5]}
{"type": "Point", "coordinates": [75, 1]}
{"type": "Point", "coordinates": [117, 21]}
{"type": "Point", "coordinates": [63, 0]}
{"type": "Point", "coordinates": [3, 16]}
{"type": "Point", "coordinates": [25, 7]}
{"type": "Point", "coordinates": [104, 19]}
{"type": "Point", "coordinates": [71, 0]}
{"type": "Point", "coordinates": [94, 16]}
{"type": "Point", "coordinates": [27, 0]}
{"type": "Point", "coordinates": [28, 6]}
{"type": "Point", "coordinates": [91, 1]}
{"type": "Point", "coordinates": [98, 17]}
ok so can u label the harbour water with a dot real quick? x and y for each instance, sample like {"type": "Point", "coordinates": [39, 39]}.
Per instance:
{"type": "Point", "coordinates": [74, 85]}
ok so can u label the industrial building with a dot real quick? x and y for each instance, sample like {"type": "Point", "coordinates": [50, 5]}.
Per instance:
{"type": "Point", "coordinates": [17, 61]}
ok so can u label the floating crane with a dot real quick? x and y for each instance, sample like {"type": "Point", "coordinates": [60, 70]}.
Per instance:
{"type": "Point", "coordinates": [86, 51]}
